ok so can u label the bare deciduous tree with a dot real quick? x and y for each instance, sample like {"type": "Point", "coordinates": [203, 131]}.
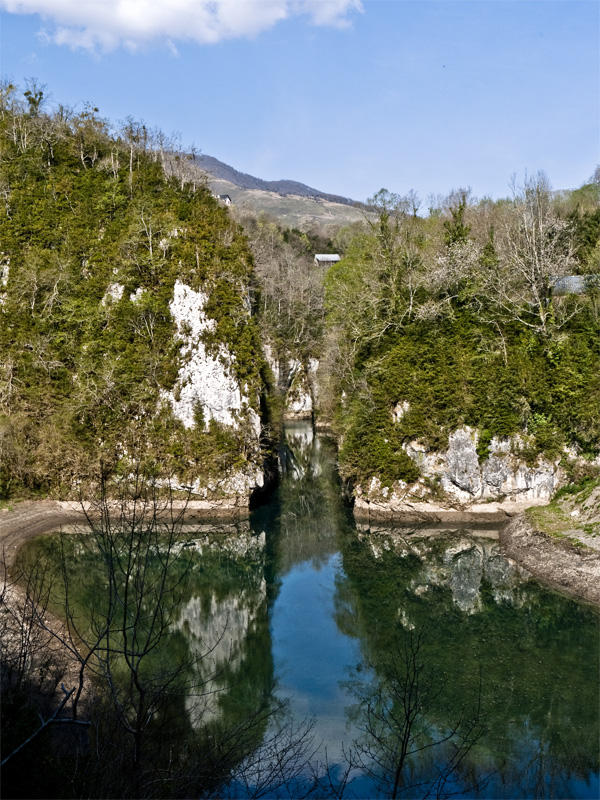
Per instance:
{"type": "Point", "coordinates": [400, 731]}
{"type": "Point", "coordinates": [535, 248]}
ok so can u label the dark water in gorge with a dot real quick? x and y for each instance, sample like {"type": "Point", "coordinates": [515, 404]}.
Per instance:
{"type": "Point", "coordinates": [345, 597]}
{"type": "Point", "coordinates": [303, 605]}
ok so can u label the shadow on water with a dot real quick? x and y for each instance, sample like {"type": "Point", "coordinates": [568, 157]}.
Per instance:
{"type": "Point", "coordinates": [344, 598]}
{"type": "Point", "coordinates": [306, 514]}
{"type": "Point", "coordinates": [303, 607]}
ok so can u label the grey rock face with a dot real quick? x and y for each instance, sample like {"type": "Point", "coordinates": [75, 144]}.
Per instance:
{"type": "Point", "coordinates": [503, 476]}
{"type": "Point", "coordinates": [495, 472]}
{"type": "Point", "coordinates": [297, 383]}
{"type": "Point", "coordinates": [462, 465]}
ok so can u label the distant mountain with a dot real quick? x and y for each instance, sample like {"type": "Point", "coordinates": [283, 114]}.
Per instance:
{"type": "Point", "coordinates": [220, 170]}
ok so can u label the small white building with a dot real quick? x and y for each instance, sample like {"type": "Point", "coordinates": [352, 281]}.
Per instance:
{"type": "Point", "coordinates": [224, 198]}
{"type": "Point", "coordinates": [326, 259]}
{"type": "Point", "coordinates": [575, 284]}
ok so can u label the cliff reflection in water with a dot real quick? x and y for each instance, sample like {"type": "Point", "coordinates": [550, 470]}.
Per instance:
{"type": "Point", "coordinates": [309, 512]}
{"type": "Point", "coordinates": [301, 605]}
{"type": "Point", "coordinates": [342, 599]}
{"type": "Point", "coordinates": [467, 561]}
{"type": "Point", "coordinates": [225, 623]}
{"type": "Point", "coordinates": [482, 624]}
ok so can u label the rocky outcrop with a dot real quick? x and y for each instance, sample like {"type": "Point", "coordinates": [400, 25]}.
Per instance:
{"type": "Point", "coordinates": [158, 366]}
{"type": "Point", "coordinates": [204, 382]}
{"type": "Point", "coordinates": [114, 292]}
{"type": "Point", "coordinates": [457, 481]}
{"type": "Point", "coordinates": [302, 395]}
{"type": "Point", "coordinates": [297, 383]}
{"type": "Point", "coordinates": [207, 389]}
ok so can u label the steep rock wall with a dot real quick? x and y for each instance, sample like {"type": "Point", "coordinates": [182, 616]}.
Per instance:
{"type": "Point", "coordinates": [206, 389]}
{"type": "Point", "coordinates": [297, 383]}
{"type": "Point", "coordinates": [457, 480]}
{"type": "Point", "coordinates": [204, 381]}
{"type": "Point", "coordinates": [302, 396]}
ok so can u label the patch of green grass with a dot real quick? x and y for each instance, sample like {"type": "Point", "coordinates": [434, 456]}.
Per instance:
{"type": "Point", "coordinates": [553, 521]}
{"type": "Point", "coordinates": [585, 486]}
{"type": "Point", "coordinates": [549, 519]}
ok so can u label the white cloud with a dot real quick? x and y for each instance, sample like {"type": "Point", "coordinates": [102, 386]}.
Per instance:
{"type": "Point", "coordinates": [107, 24]}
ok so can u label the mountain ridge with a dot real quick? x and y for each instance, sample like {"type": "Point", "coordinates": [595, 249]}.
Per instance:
{"type": "Point", "coordinates": [284, 187]}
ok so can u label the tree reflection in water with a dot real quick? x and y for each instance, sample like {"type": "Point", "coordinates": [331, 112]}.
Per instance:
{"type": "Point", "coordinates": [476, 614]}
{"type": "Point", "coordinates": [430, 663]}
{"type": "Point", "coordinates": [511, 668]}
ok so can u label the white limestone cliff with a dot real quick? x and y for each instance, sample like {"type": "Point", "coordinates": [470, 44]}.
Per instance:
{"type": "Point", "coordinates": [457, 480]}
{"type": "Point", "coordinates": [204, 381]}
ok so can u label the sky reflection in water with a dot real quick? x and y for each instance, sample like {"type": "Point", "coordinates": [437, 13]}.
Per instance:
{"type": "Point", "coordinates": [344, 596]}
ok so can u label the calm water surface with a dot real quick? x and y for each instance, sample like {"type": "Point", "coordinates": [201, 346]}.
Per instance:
{"type": "Point", "coordinates": [343, 597]}
{"type": "Point", "coordinates": [303, 606]}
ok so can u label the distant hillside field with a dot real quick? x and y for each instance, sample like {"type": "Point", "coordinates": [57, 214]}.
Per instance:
{"type": "Point", "coordinates": [219, 169]}
{"type": "Point", "coordinates": [290, 210]}
{"type": "Point", "coordinates": [293, 204]}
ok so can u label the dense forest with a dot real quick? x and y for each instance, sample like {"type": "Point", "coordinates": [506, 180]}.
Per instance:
{"type": "Point", "coordinates": [98, 229]}
{"type": "Point", "coordinates": [459, 319]}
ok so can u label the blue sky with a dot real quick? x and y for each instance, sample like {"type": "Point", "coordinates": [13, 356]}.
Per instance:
{"type": "Point", "coordinates": [342, 95]}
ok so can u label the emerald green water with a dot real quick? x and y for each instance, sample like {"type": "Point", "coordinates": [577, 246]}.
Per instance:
{"type": "Point", "coordinates": [303, 606]}
{"type": "Point", "coordinates": [347, 596]}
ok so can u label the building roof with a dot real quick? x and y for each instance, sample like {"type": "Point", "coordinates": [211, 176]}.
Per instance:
{"type": "Point", "coordinates": [326, 258]}
{"type": "Point", "coordinates": [575, 284]}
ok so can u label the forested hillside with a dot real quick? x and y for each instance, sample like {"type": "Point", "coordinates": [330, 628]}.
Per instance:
{"type": "Point", "coordinates": [291, 311]}
{"type": "Point", "coordinates": [454, 320]}
{"type": "Point", "coordinates": [125, 311]}
{"type": "Point", "coordinates": [127, 330]}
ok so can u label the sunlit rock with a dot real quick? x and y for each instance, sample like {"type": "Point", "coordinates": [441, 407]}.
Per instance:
{"type": "Point", "coordinates": [4, 273]}
{"type": "Point", "coordinates": [204, 381]}
{"type": "Point", "coordinates": [400, 409]}
{"type": "Point", "coordinates": [502, 482]}
{"type": "Point", "coordinates": [301, 396]}
{"type": "Point", "coordinates": [113, 293]}
{"type": "Point", "coordinates": [297, 382]}
{"type": "Point", "coordinates": [461, 475]}
{"type": "Point", "coordinates": [136, 296]}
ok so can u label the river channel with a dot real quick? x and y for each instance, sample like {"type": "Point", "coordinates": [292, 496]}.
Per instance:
{"type": "Point", "coordinates": [304, 607]}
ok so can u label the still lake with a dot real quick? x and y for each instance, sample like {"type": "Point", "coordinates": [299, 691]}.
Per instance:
{"type": "Point", "coordinates": [305, 607]}
{"type": "Point", "coordinates": [343, 597]}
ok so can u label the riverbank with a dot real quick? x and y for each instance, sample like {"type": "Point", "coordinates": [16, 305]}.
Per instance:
{"type": "Point", "coordinates": [366, 510]}
{"type": "Point", "coordinates": [558, 542]}
{"type": "Point", "coordinates": [30, 518]}
{"type": "Point", "coordinates": [562, 564]}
